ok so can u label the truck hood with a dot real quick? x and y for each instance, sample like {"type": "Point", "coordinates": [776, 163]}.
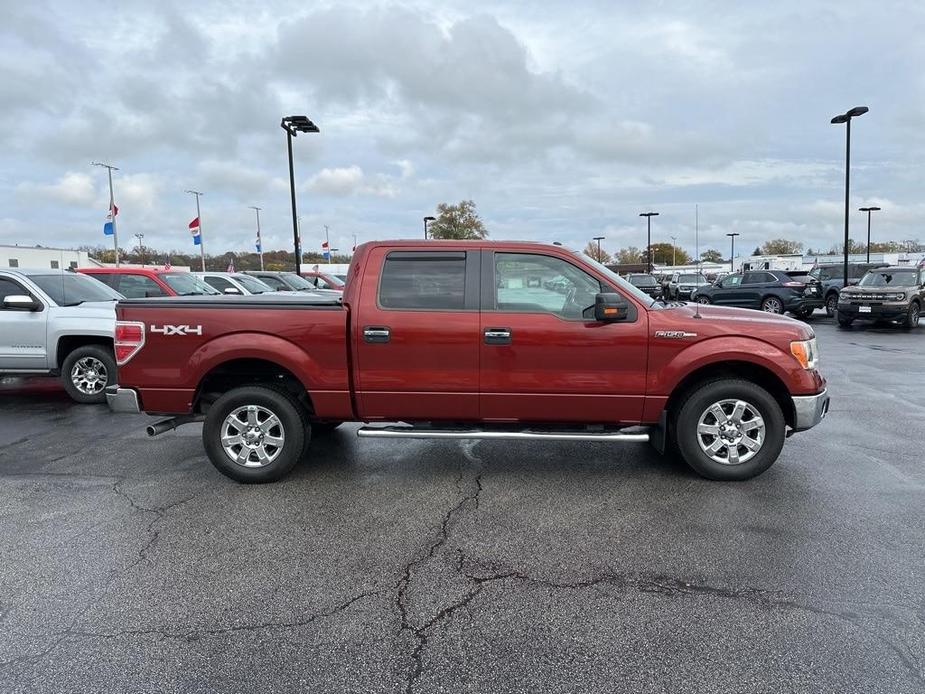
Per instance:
{"type": "Point", "coordinates": [88, 310]}
{"type": "Point", "coordinates": [717, 320]}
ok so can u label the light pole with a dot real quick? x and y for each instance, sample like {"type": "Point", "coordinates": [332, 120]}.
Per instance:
{"type": "Point", "coordinates": [649, 216]}
{"type": "Point", "coordinates": [732, 253]}
{"type": "Point", "coordinates": [141, 247]}
{"type": "Point", "coordinates": [112, 206]}
{"type": "Point", "coordinates": [846, 119]}
{"type": "Point", "coordinates": [426, 220]}
{"type": "Point", "coordinates": [259, 243]}
{"type": "Point", "coordinates": [868, 210]}
{"type": "Point", "coordinates": [202, 246]}
{"type": "Point", "coordinates": [674, 240]}
{"type": "Point", "coordinates": [599, 239]}
{"type": "Point", "coordinates": [294, 125]}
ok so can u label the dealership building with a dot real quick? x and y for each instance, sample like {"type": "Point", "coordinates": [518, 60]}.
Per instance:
{"type": "Point", "coordinates": [38, 257]}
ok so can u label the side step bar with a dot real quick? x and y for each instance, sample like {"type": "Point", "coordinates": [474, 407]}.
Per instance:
{"type": "Point", "coordinates": [409, 432]}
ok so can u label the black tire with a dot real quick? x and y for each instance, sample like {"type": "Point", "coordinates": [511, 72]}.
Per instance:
{"type": "Point", "coordinates": [294, 430]}
{"type": "Point", "coordinates": [831, 304]}
{"type": "Point", "coordinates": [912, 316]}
{"type": "Point", "coordinates": [803, 314]}
{"type": "Point", "coordinates": [695, 405]}
{"type": "Point", "coordinates": [772, 304]}
{"type": "Point", "coordinates": [87, 371]}
{"type": "Point", "coordinates": [843, 320]}
{"type": "Point", "coordinates": [324, 428]}
{"type": "Point", "coordinates": [703, 300]}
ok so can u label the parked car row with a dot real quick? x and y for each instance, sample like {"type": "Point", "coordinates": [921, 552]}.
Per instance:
{"type": "Point", "coordinates": [801, 292]}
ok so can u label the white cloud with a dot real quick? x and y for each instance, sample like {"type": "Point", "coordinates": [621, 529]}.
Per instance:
{"type": "Point", "coordinates": [76, 189]}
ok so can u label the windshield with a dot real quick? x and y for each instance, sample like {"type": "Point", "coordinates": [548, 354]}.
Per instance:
{"type": "Point", "coordinates": [342, 278]}
{"type": "Point", "coordinates": [617, 281]}
{"type": "Point", "coordinates": [252, 284]}
{"type": "Point", "coordinates": [70, 289]}
{"type": "Point", "coordinates": [889, 278]}
{"type": "Point", "coordinates": [296, 282]}
{"type": "Point", "coordinates": [643, 280]}
{"type": "Point", "coordinates": [692, 279]}
{"type": "Point", "coordinates": [186, 284]}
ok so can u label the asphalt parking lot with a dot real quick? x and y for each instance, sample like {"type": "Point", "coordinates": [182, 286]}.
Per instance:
{"type": "Point", "coordinates": [130, 565]}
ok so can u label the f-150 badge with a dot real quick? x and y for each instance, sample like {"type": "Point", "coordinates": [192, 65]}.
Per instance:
{"type": "Point", "coordinates": [177, 329]}
{"type": "Point", "coordinates": [674, 334]}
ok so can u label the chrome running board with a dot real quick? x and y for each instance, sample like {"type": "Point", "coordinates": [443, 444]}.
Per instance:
{"type": "Point", "coordinates": [410, 432]}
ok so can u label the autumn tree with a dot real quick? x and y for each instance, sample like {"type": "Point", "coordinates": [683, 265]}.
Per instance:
{"type": "Point", "coordinates": [458, 222]}
{"type": "Point", "coordinates": [668, 254]}
{"type": "Point", "coordinates": [631, 254]}
{"type": "Point", "coordinates": [711, 255]}
{"type": "Point", "coordinates": [592, 252]}
{"type": "Point", "coordinates": [780, 247]}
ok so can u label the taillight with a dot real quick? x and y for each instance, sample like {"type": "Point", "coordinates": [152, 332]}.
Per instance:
{"type": "Point", "coordinates": [130, 338]}
{"type": "Point", "coordinates": [793, 284]}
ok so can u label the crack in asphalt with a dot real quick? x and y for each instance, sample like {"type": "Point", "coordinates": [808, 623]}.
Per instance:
{"type": "Point", "coordinates": [159, 513]}
{"type": "Point", "coordinates": [196, 634]}
{"type": "Point", "coordinates": [671, 586]}
{"type": "Point", "coordinates": [419, 633]}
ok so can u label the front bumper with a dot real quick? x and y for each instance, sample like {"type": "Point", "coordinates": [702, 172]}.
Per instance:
{"type": "Point", "coordinates": [877, 311]}
{"type": "Point", "coordinates": [809, 410]}
{"type": "Point", "coordinates": [122, 399]}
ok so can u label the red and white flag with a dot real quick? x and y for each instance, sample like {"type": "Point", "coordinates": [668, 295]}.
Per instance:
{"type": "Point", "coordinates": [230, 266]}
{"type": "Point", "coordinates": [113, 210]}
{"type": "Point", "coordinates": [194, 226]}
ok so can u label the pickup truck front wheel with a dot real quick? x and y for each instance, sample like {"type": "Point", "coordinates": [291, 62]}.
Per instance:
{"type": "Point", "coordinates": [255, 434]}
{"type": "Point", "coordinates": [86, 372]}
{"type": "Point", "coordinates": [729, 429]}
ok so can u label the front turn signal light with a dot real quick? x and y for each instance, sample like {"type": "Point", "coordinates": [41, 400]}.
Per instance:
{"type": "Point", "coordinates": [805, 352]}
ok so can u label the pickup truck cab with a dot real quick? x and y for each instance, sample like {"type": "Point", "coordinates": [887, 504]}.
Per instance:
{"type": "Point", "coordinates": [466, 340]}
{"type": "Point", "coordinates": [137, 282]}
{"type": "Point", "coordinates": [234, 283]}
{"type": "Point", "coordinates": [55, 322]}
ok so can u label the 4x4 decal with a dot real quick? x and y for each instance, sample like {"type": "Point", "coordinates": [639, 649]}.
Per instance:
{"type": "Point", "coordinates": [177, 329]}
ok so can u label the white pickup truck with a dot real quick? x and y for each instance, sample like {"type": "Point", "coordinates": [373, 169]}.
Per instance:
{"type": "Point", "coordinates": [55, 322]}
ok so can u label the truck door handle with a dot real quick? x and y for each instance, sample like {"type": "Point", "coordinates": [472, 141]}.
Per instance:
{"type": "Point", "coordinates": [497, 336]}
{"type": "Point", "coordinates": [376, 333]}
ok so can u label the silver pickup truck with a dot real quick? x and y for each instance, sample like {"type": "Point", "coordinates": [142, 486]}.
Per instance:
{"type": "Point", "coordinates": [54, 322]}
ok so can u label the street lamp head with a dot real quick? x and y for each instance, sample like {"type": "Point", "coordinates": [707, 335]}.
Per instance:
{"type": "Point", "coordinates": [648, 214]}
{"type": "Point", "coordinates": [598, 238]}
{"type": "Point", "coordinates": [868, 209]}
{"type": "Point", "coordinates": [853, 113]}
{"type": "Point", "coordinates": [298, 124]}
{"type": "Point", "coordinates": [430, 219]}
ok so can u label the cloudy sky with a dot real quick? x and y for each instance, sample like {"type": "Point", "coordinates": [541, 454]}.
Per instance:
{"type": "Point", "coordinates": [562, 120]}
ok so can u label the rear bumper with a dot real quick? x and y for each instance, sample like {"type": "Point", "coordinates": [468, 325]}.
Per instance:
{"type": "Point", "coordinates": [122, 399]}
{"type": "Point", "coordinates": [809, 410]}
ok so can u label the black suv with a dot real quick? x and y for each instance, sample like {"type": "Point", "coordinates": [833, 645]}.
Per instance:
{"type": "Point", "coordinates": [773, 291]}
{"type": "Point", "coordinates": [831, 279]}
{"type": "Point", "coordinates": [646, 283]}
{"type": "Point", "coordinates": [885, 294]}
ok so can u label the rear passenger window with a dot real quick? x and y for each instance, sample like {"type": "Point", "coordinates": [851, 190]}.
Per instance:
{"type": "Point", "coordinates": [424, 280]}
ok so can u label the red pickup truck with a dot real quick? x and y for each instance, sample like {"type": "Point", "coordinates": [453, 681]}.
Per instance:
{"type": "Point", "coordinates": [470, 340]}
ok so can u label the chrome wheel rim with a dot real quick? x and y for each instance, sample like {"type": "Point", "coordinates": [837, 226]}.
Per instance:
{"type": "Point", "coordinates": [731, 432]}
{"type": "Point", "coordinates": [772, 306]}
{"type": "Point", "coordinates": [89, 375]}
{"type": "Point", "coordinates": [702, 300]}
{"type": "Point", "coordinates": [914, 314]}
{"type": "Point", "coordinates": [252, 436]}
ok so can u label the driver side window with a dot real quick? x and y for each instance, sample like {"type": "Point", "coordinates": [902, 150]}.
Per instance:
{"type": "Point", "coordinates": [525, 282]}
{"type": "Point", "coordinates": [732, 281]}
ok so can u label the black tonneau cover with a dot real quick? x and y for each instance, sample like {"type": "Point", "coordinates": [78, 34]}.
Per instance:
{"type": "Point", "coordinates": [275, 300]}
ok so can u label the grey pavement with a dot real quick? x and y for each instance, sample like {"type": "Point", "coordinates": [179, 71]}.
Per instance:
{"type": "Point", "coordinates": [129, 564]}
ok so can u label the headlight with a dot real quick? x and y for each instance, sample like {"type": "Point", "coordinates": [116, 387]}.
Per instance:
{"type": "Point", "coordinates": [805, 352]}
{"type": "Point", "coordinates": [901, 296]}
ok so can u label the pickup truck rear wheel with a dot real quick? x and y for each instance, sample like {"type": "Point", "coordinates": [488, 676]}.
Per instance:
{"type": "Point", "coordinates": [86, 372]}
{"type": "Point", "coordinates": [729, 429]}
{"type": "Point", "coordinates": [255, 434]}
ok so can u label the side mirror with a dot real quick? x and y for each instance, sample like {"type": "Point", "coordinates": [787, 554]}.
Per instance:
{"type": "Point", "coordinates": [853, 281]}
{"type": "Point", "coordinates": [610, 308]}
{"type": "Point", "coordinates": [232, 290]}
{"type": "Point", "coordinates": [21, 302]}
